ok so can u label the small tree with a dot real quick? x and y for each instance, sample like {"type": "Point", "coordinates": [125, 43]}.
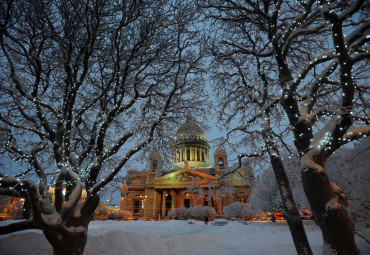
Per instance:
{"type": "Point", "coordinates": [85, 85]}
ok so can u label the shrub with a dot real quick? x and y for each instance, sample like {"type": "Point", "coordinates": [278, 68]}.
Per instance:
{"type": "Point", "coordinates": [124, 214]}
{"type": "Point", "coordinates": [112, 215]}
{"type": "Point", "coordinates": [237, 210]}
{"type": "Point", "coordinates": [100, 213]}
{"type": "Point", "coordinates": [201, 212]}
{"type": "Point", "coordinates": [118, 215]}
{"type": "Point", "coordinates": [179, 213]}
{"type": "Point", "coordinates": [196, 212]}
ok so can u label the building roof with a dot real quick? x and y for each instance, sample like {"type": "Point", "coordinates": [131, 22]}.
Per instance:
{"type": "Point", "coordinates": [189, 127]}
{"type": "Point", "coordinates": [190, 133]}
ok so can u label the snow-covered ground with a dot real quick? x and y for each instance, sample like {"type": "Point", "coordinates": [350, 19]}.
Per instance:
{"type": "Point", "coordinates": [178, 237]}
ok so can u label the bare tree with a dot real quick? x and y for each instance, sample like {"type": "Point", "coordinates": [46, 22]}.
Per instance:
{"type": "Point", "coordinates": [290, 74]}
{"type": "Point", "coordinates": [85, 85]}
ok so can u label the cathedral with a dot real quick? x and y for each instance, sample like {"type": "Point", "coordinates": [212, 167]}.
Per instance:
{"type": "Point", "coordinates": [152, 193]}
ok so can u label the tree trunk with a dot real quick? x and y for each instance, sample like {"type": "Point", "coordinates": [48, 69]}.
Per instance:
{"type": "Point", "coordinates": [290, 210]}
{"type": "Point", "coordinates": [73, 244]}
{"type": "Point", "coordinates": [329, 205]}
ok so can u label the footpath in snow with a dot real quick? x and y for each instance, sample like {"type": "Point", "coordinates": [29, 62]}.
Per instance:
{"type": "Point", "coordinates": [178, 238]}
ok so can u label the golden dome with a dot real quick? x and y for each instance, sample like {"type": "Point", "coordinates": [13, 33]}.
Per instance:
{"type": "Point", "coordinates": [191, 146]}
{"type": "Point", "coordinates": [189, 127]}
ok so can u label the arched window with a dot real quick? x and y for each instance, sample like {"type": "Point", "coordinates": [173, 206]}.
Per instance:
{"type": "Point", "coordinates": [155, 164]}
{"type": "Point", "coordinates": [188, 154]}
{"type": "Point", "coordinates": [221, 162]}
{"type": "Point", "coordinates": [203, 156]}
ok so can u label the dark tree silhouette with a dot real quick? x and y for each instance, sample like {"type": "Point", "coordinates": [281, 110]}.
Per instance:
{"type": "Point", "coordinates": [84, 86]}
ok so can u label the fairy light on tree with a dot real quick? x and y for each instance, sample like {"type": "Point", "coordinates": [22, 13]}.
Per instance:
{"type": "Point", "coordinates": [310, 77]}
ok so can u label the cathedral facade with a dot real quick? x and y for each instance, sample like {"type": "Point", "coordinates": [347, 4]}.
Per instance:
{"type": "Point", "coordinates": [154, 192]}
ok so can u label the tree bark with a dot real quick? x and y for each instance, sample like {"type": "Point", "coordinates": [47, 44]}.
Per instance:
{"type": "Point", "coordinates": [290, 209]}
{"type": "Point", "coordinates": [73, 244]}
{"type": "Point", "coordinates": [291, 212]}
{"type": "Point", "coordinates": [328, 204]}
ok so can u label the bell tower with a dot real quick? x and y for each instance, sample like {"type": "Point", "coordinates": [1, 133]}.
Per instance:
{"type": "Point", "coordinates": [220, 157]}
{"type": "Point", "coordinates": [155, 166]}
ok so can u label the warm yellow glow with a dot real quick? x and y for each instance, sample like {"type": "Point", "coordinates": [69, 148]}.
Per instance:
{"type": "Point", "coordinates": [83, 194]}
{"type": "Point", "coordinates": [192, 164]}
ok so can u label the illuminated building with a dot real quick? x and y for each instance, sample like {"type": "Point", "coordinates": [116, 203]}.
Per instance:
{"type": "Point", "coordinates": [155, 191]}
{"type": "Point", "coordinates": [10, 208]}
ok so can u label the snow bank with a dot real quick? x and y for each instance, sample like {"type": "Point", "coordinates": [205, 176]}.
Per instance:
{"type": "Point", "coordinates": [176, 237]}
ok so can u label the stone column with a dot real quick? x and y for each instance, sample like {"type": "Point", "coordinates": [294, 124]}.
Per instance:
{"type": "Point", "coordinates": [163, 203]}
{"type": "Point", "coordinates": [182, 199]}
{"type": "Point", "coordinates": [219, 206]}
{"type": "Point", "coordinates": [191, 201]}
{"type": "Point", "coordinates": [155, 198]}
{"type": "Point", "coordinates": [125, 200]}
{"type": "Point", "coordinates": [173, 199]}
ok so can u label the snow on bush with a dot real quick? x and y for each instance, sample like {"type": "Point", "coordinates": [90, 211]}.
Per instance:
{"type": "Point", "coordinates": [196, 212]}
{"type": "Point", "coordinates": [237, 210]}
{"type": "Point", "coordinates": [108, 214]}
{"type": "Point", "coordinates": [119, 215]}
{"type": "Point", "coordinates": [179, 213]}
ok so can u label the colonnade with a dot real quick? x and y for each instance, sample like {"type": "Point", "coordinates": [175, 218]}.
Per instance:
{"type": "Point", "coordinates": [178, 199]}
{"type": "Point", "coordinates": [191, 153]}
